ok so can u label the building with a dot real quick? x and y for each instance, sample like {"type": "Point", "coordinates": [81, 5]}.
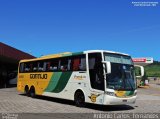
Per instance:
{"type": "Point", "coordinates": [142, 62]}
{"type": "Point", "coordinates": [9, 59]}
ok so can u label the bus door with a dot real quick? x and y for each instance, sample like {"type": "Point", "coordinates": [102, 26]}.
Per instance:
{"type": "Point", "coordinates": [96, 71]}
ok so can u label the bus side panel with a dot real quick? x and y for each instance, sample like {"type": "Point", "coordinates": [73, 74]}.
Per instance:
{"type": "Point", "coordinates": [60, 85]}
{"type": "Point", "coordinates": [65, 85]}
{"type": "Point", "coordinates": [76, 81]}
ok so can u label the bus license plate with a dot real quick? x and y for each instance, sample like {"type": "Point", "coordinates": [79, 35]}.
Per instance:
{"type": "Point", "coordinates": [124, 100]}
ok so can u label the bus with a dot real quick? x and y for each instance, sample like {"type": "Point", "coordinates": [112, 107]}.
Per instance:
{"type": "Point", "coordinates": [94, 76]}
{"type": "Point", "coordinates": [12, 77]}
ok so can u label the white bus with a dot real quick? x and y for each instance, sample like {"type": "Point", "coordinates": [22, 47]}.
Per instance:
{"type": "Point", "coordinates": [95, 76]}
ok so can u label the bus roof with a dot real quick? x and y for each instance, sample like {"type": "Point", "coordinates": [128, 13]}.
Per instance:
{"type": "Point", "coordinates": [65, 54]}
{"type": "Point", "coordinates": [107, 51]}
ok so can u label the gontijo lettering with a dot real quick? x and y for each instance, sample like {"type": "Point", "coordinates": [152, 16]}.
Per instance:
{"type": "Point", "coordinates": [38, 76]}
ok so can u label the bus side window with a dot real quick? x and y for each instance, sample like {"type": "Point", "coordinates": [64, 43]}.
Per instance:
{"type": "Point", "coordinates": [79, 63]}
{"type": "Point", "coordinates": [64, 64]}
{"type": "Point", "coordinates": [69, 67]}
{"type": "Point", "coordinates": [46, 66]}
{"type": "Point", "coordinates": [26, 67]}
{"type": "Point", "coordinates": [40, 66]}
{"type": "Point", "coordinates": [82, 65]}
{"type": "Point", "coordinates": [91, 63]}
{"type": "Point", "coordinates": [31, 67]}
{"type": "Point", "coordinates": [76, 63]}
{"type": "Point", "coordinates": [54, 65]}
{"type": "Point", "coordinates": [21, 69]}
{"type": "Point", "coordinates": [35, 67]}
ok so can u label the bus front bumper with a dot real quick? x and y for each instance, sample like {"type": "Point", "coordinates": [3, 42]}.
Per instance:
{"type": "Point", "coordinates": [113, 100]}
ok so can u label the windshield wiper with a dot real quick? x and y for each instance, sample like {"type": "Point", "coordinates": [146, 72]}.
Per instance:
{"type": "Point", "coordinates": [129, 82]}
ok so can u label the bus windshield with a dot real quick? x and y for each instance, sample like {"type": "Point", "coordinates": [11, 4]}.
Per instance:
{"type": "Point", "coordinates": [122, 75]}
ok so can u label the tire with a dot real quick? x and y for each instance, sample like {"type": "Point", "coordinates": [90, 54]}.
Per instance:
{"type": "Point", "coordinates": [32, 92]}
{"type": "Point", "coordinates": [26, 91]}
{"type": "Point", "coordinates": [79, 99]}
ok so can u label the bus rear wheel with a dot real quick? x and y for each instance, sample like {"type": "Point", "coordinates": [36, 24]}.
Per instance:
{"type": "Point", "coordinates": [32, 92]}
{"type": "Point", "coordinates": [26, 91]}
{"type": "Point", "coordinates": [79, 99]}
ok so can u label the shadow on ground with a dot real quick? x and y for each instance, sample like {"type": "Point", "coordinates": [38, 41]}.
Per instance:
{"type": "Point", "coordinates": [89, 106]}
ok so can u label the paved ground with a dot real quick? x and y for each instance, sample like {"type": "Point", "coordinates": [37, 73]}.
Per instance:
{"type": "Point", "coordinates": [11, 101]}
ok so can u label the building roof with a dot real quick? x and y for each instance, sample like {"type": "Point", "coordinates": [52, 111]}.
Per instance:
{"type": "Point", "coordinates": [8, 52]}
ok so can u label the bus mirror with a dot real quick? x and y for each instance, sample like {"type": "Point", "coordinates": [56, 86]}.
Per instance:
{"type": "Point", "coordinates": [107, 66]}
{"type": "Point", "coordinates": [139, 69]}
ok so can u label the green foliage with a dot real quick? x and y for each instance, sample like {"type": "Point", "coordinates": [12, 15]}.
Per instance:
{"type": "Point", "coordinates": [137, 71]}
{"type": "Point", "coordinates": [153, 70]}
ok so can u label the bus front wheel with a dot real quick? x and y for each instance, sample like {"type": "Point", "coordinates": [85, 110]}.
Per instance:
{"type": "Point", "coordinates": [79, 99]}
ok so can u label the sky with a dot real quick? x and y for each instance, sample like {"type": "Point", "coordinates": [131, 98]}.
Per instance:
{"type": "Point", "coordinates": [42, 27]}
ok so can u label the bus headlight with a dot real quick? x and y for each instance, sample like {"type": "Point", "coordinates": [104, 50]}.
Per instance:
{"type": "Point", "coordinates": [110, 93]}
